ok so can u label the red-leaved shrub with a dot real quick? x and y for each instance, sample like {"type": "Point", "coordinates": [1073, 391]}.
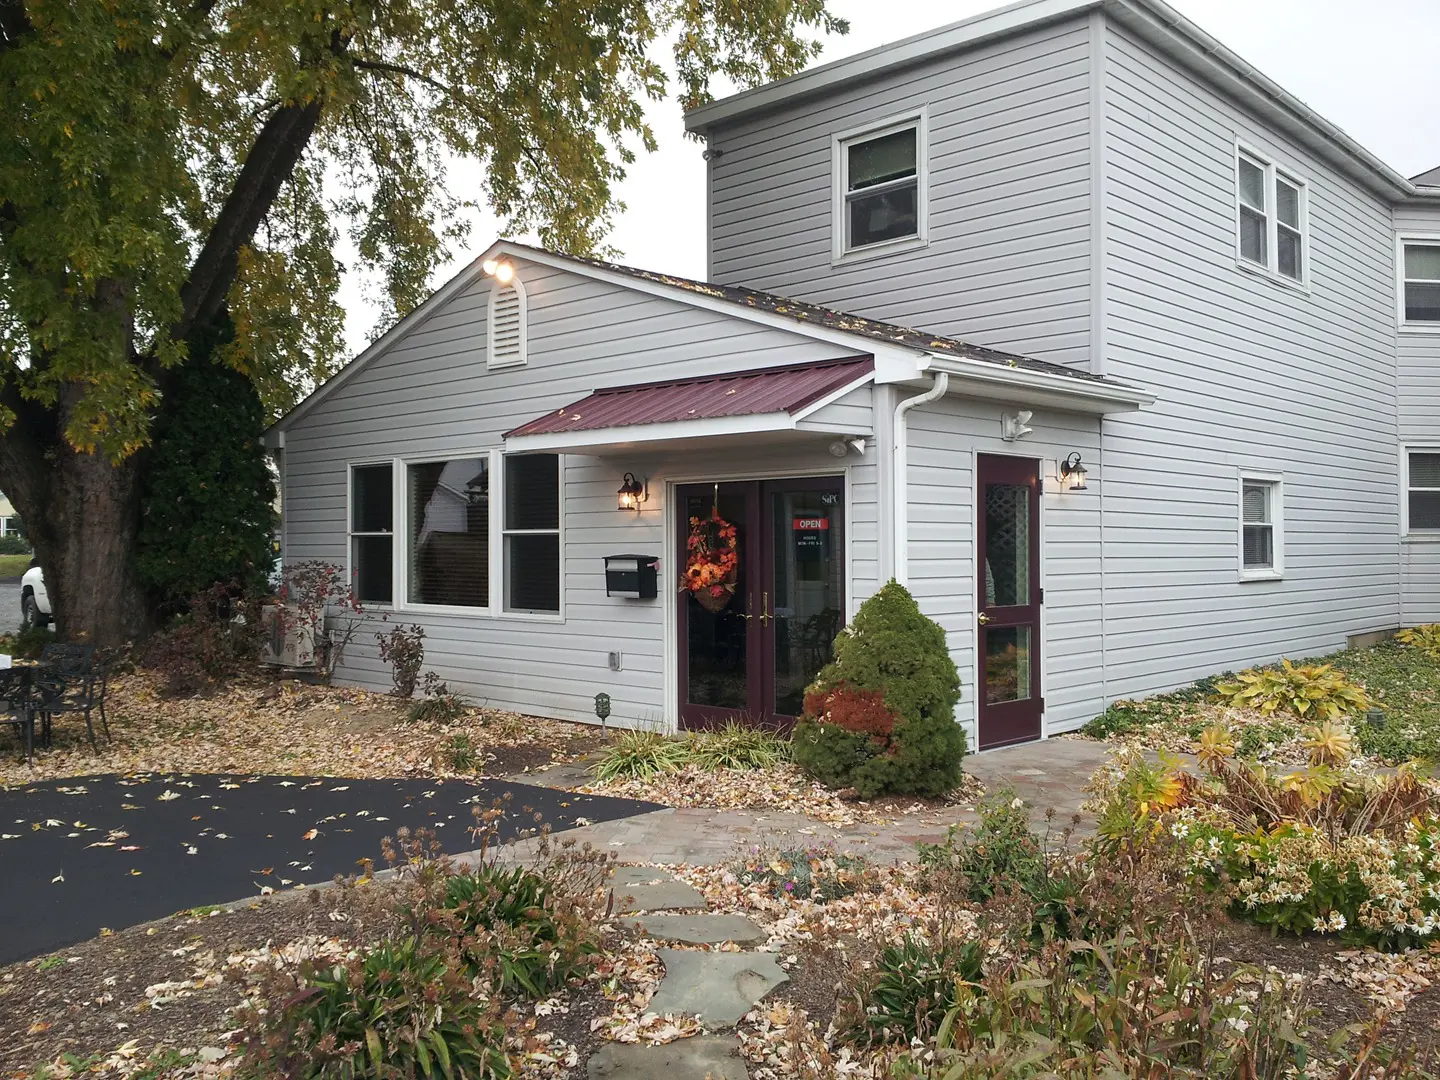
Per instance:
{"type": "Point", "coordinates": [845, 705]}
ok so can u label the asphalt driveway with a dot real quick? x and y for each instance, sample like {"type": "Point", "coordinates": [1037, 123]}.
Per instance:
{"type": "Point", "coordinates": [9, 604]}
{"type": "Point", "coordinates": [82, 854]}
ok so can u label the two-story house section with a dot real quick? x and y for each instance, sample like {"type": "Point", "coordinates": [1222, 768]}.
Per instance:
{"type": "Point", "coordinates": [1104, 185]}
{"type": "Point", "coordinates": [1121, 359]}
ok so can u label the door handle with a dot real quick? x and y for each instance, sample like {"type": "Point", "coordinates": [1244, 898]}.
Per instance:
{"type": "Point", "coordinates": [982, 618]}
{"type": "Point", "coordinates": [765, 615]}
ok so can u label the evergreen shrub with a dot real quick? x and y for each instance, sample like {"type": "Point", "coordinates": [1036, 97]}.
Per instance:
{"type": "Point", "coordinates": [880, 718]}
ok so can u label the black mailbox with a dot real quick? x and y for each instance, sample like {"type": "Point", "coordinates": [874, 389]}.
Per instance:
{"type": "Point", "coordinates": [632, 576]}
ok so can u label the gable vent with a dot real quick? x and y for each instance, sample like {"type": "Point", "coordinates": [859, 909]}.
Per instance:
{"type": "Point", "coordinates": [506, 326]}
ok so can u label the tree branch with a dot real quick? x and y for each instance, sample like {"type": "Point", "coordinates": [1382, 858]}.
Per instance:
{"type": "Point", "coordinates": [401, 69]}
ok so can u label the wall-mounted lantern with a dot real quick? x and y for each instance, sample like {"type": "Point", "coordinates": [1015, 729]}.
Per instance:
{"type": "Point", "coordinates": [632, 493]}
{"type": "Point", "coordinates": [502, 272]}
{"type": "Point", "coordinates": [1072, 473]}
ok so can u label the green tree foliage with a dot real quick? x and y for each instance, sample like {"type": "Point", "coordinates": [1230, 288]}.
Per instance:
{"type": "Point", "coordinates": [208, 513]}
{"type": "Point", "coordinates": [893, 650]}
{"type": "Point", "coordinates": [162, 161]}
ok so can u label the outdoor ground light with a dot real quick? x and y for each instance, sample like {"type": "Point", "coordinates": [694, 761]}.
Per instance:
{"type": "Point", "coordinates": [632, 493]}
{"type": "Point", "coordinates": [1072, 473]}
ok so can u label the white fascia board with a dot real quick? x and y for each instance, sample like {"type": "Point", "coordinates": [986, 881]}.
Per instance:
{"type": "Point", "coordinates": [385, 342]}
{"type": "Point", "coordinates": [834, 395]}
{"type": "Point", "coordinates": [960, 35]}
{"type": "Point", "coordinates": [983, 379]}
{"type": "Point", "coordinates": [892, 357]}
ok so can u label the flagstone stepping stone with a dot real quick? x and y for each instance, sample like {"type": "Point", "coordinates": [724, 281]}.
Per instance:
{"type": "Point", "coordinates": [686, 1059]}
{"type": "Point", "coordinates": [718, 987]}
{"type": "Point", "coordinates": [700, 929]}
{"type": "Point", "coordinates": [643, 888]}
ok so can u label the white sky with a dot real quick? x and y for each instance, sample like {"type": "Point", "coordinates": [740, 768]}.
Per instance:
{"type": "Point", "coordinates": [1371, 68]}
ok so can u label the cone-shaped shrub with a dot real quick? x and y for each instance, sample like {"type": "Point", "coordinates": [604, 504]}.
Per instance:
{"type": "Point", "coordinates": [881, 716]}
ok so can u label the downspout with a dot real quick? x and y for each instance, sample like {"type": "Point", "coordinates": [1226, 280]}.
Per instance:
{"type": "Point", "coordinates": [900, 488]}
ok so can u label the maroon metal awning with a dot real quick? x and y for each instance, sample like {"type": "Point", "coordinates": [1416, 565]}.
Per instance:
{"type": "Point", "coordinates": [784, 393]}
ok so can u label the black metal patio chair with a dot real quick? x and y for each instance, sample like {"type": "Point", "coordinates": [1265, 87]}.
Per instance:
{"type": "Point", "coordinates": [70, 681]}
{"type": "Point", "coordinates": [17, 706]}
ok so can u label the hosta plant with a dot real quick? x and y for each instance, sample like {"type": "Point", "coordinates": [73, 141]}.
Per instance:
{"type": "Point", "coordinates": [1426, 638]}
{"type": "Point", "coordinates": [1309, 691]}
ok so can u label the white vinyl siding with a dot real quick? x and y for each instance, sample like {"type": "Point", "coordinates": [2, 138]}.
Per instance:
{"type": "Point", "coordinates": [1271, 231]}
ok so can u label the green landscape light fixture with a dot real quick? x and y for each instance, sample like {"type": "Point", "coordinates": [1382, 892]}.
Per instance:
{"type": "Point", "coordinates": [1375, 718]}
{"type": "Point", "coordinates": [602, 708]}
{"type": "Point", "coordinates": [1072, 473]}
{"type": "Point", "coordinates": [632, 493]}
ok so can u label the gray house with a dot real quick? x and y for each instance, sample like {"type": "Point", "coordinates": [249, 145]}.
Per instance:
{"type": "Point", "coordinates": [1171, 404]}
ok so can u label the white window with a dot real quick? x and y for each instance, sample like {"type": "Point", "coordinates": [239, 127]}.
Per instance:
{"type": "Point", "coordinates": [880, 188]}
{"type": "Point", "coordinates": [506, 331]}
{"type": "Point", "coordinates": [1422, 494]}
{"type": "Point", "coordinates": [1419, 264]}
{"type": "Point", "coordinates": [448, 540]}
{"type": "Point", "coordinates": [532, 533]}
{"type": "Point", "coordinates": [372, 533]}
{"type": "Point", "coordinates": [1271, 224]}
{"type": "Point", "coordinates": [1261, 532]}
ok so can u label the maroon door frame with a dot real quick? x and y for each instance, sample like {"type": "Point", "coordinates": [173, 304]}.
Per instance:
{"type": "Point", "coordinates": [1019, 719]}
{"type": "Point", "coordinates": [755, 600]}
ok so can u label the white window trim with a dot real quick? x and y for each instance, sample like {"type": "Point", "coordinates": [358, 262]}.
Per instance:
{"type": "Point", "coordinates": [523, 356]}
{"type": "Point", "coordinates": [1429, 239]}
{"type": "Point", "coordinates": [351, 534]}
{"type": "Point", "coordinates": [1271, 269]}
{"type": "Point", "coordinates": [1405, 531]}
{"type": "Point", "coordinates": [1277, 525]}
{"type": "Point", "coordinates": [400, 544]}
{"type": "Point", "coordinates": [839, 180]}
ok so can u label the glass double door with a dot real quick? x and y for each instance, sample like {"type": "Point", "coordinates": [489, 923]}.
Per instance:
{"type": "Point", "coordinates": [749, 652]}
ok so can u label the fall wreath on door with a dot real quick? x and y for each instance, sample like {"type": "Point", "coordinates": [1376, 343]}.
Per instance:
{"type": "Point", "coordinates": [712, 560]}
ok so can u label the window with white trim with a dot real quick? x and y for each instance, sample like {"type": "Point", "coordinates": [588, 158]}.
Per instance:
{"type": "Point", "coordinates": [1260, 527]}
{"type": "Point", "coordinates": [506, 331]}
{"type": "Point", "coordinates": [1420, 283]}
{"type": "Point", "coordinates": [880, 187]}
{"type": "Point", "coordinates": [1422, 496]}
{"type": "Point", "coordinates": [372, 533]}
{"type": "Point", "coordinates": [1272, 214]}
{"type": "Point", "coordinates": [531, 532]}
{"type": "Point", "coordinates": [448, 524]}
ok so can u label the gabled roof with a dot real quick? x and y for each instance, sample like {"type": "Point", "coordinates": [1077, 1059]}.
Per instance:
{"type": "Point", "coordinates": [1429, 178]}
{"type": "Point", "coordinates": [899, 352]}
{"type": "Point", "coordinates": [1154, 21]}
{"type": "Point", "coordinates": [789, 390]}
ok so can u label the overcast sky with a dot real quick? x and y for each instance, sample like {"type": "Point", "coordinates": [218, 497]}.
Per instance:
{"type": "Point", "coordinates": [1369, 67]}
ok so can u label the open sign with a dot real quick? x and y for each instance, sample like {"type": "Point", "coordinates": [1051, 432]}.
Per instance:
{"type": "Point", "coordinates": [810, 524]}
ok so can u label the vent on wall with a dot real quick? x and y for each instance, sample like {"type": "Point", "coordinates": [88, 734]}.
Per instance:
{"type": "Point", "coordinates": [506, 325]}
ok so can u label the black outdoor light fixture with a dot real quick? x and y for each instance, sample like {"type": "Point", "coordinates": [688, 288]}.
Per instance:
{"type": "Point", "coordinates": [1072, 473]}
{"type": "Point", "coordinates": [632, 493]}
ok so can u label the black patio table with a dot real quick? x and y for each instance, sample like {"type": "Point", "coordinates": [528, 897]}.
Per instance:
{"type": "Point", "coordinates": [19, 689]}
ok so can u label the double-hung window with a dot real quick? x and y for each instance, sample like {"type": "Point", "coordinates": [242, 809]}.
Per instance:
{"type": "Point", "coordinates": [1261, 534]}
{"type": "Point", "coordinates": [1420, 283]}
{"type": "Point", "coordinates": [1422, 495]}
{"type": "Point", "coordinates": [1271, 223]}
{"type": "Point", "coordinates": [458, 551]}
{"type": "Point", "coordinates": [880, 188]}
{"type": "Point", "coordinates": [448, 541]}
{"type": "Point", "coordinates": [372, 533]}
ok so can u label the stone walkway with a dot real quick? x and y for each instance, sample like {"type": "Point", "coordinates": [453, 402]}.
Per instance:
{"type": "Point", "coordinates": [717, 987]}
{"type": "Point", "coordinates": [1050, 774]}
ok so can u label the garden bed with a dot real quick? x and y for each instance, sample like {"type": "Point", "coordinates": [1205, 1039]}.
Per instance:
{"type": "Point", "coordinates": [262, 726]}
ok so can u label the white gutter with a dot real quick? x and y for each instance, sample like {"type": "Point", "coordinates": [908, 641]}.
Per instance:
{"type": "Point", "coordinates": [900, 460]}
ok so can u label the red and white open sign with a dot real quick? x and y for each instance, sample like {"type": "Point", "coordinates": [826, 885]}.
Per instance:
{"type": "Point", "coordinates": [809, 524]}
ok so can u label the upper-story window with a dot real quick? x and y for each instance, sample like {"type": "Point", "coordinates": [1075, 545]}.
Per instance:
{"type": "Point", "coordinates": [1272, 232]}
{"type": "Point", "coordinates": [880, 188]}
{"type": "Point", "coordinates": [1420, 282]}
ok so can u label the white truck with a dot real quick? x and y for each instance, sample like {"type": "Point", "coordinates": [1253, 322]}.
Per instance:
{"type": "Point", "coordinates": [34, 600]}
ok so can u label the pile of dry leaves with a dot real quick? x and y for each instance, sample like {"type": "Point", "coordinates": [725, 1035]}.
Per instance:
{"type": "Point", "coordinates": [779, 787]}
{"type": "Point", "coordinates": [257, 725]}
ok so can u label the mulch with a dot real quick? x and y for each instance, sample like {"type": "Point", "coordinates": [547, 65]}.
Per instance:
{"type": "Point", "coordinates": [103, 852]}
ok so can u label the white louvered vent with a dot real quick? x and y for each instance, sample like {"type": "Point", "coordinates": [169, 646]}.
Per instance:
{"type": "Point", "coordinates": [506, 346]}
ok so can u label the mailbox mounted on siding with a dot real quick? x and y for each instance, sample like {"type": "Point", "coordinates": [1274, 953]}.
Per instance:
{"type": "Point", "coordinates": [631, 576]}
